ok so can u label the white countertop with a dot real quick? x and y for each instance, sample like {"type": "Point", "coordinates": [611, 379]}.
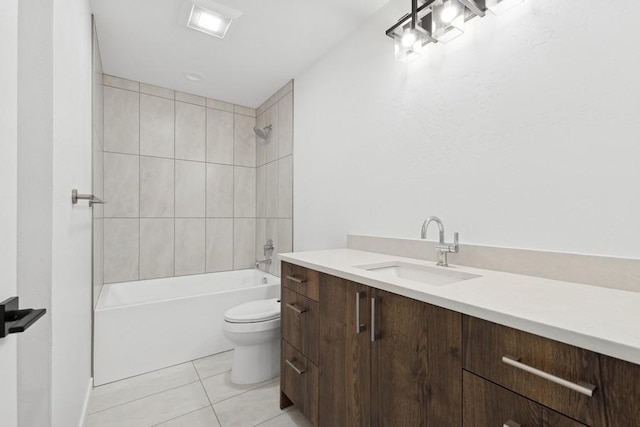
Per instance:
{"type": "Point", "coordinates": [600, 319]}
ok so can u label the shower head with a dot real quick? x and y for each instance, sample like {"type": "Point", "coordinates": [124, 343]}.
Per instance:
{"type": "Point", "coordinates": [263, 132]}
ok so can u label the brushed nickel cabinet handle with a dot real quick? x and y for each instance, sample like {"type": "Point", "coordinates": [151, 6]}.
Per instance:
{"type": "Point", "coordinates": [296, 309]}
{"type": "Point", "coordinates": [374, 336]}
{"type": "Point", "coordinates": [360, 327]}
{"type": "Point", "coordinates": [294, 367]}
{"type": "Point", "coordinates": [581, 387]}
{"type": "Point", "coordinates": [296, 279]}
{"type": "Point", "coordinates": [511, 424]}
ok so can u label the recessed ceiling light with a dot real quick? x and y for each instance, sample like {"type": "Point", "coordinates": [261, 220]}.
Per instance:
{"type": "Point", "coordinates": [208, 21]}
{"type": "Point", "coordinates": [193, 76]}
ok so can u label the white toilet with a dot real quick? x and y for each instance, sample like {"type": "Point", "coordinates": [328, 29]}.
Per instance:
{"type": "Point", "coordinates": [254, 329]}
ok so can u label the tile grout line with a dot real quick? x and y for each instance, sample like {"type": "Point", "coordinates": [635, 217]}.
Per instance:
{"type": "Point", "coordinates": [142, 397]}
{"type": "Point", "coordinates": [180, 416]}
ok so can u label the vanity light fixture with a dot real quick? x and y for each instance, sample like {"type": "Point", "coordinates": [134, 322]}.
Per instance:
{"type": "Point", "coordinates": [411, 33]}
{"type": "Point", "coordinates": [208, 21]}
{"type": "Point", "coordinates": [432, 21]}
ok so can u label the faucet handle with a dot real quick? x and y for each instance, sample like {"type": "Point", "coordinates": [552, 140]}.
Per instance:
{"type": "Point", "coordinates": [456, 248]}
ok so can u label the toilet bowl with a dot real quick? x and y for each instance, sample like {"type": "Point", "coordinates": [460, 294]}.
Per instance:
{"type": "Point", "coordinates": [254, 329]}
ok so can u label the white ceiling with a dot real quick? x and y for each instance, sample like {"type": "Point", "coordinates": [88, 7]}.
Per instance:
{"type": "Point", "coordinates": [273, 41]}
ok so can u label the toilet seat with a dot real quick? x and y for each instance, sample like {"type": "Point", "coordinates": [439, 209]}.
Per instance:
{"type": "Point", "coordinates": [254, 312]}
{"type": "Point", "coordinates": [242, 328]}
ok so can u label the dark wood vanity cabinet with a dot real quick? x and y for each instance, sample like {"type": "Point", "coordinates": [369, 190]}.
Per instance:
{"type": "Point", "coordinates": [356, 356]}
{"type": "Point", "coordinates": [300, 310]}
{"type": "Point", "coordinates": [591, 388]}
{"type": "Point", "coordinates": [386, 360]}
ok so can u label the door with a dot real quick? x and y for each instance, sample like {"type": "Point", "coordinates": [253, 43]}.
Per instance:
{"type": "Point", "coordinates": [8, 199]}
{"type": "Point", "coordinates": [416, 363]}
{"type": "Point", "coordinates": [344, 336]}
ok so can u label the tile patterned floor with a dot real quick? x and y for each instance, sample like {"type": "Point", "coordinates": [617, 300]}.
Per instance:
{"type": "Point", "coordinates": [194, 394]}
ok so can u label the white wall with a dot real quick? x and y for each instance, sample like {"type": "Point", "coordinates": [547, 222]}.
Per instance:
{"type": "Point", "coordinates": [35, 156]}
{"type": "Point", "coordinates": [71, 264]}
{"type": "Point", "coordinates": [523, 132]}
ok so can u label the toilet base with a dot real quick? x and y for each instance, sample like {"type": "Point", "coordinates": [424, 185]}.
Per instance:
{"type": "Point", "coordinates": [256, 363]}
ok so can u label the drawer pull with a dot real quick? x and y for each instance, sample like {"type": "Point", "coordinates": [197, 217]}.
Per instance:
{"type": "Point", "coordinates": [360, 327]}
{"type": "Point", "coordinates": [511, 424]}
{"type": "Point", "coordinates": [296, 279]}
{"type": "Point", "coordinates": [294, 367]}
{"type": "Point", "coordinates": [584, 388]}
{"type": "Point", "coordinates": [296, 309]}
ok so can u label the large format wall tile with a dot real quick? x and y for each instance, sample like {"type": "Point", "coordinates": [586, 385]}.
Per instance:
{"type": "Point", "coordinates": [119, 82]}
{"type": "Point", "coordinates": [219, 244]}
{"type": "Point", "coordinates": [190, 189]}
{"type": "Point", "coordinates": [172, 159]}
{"type": "Point", "coordinates": [157, 187]}
{"type": "Point", "coordinates": [285, 187]}
{"type": "Point", "coordinates": [190, 131]}
{"type": "Point", "coordinates": [285, 120]}
{"type": "Point", "coordinates": [261, 192]}
{"type": "Point", "coordinates": [219, 190]}
{"type": "Point", "coordinates": [272, 118]}
{"type": "Point", "coordinates": [244, 236]}
{"type": "Point", "coordinates": [121, 121]}
{"type": "Point", "coordinates": [121, 249]}
{"type": "Point", "coordinates": [190, 246]}
{"type": "Point", "coordinates": [261, 144]}
{"type": "Point", "coordinates": [156, 247]}
{"type": "Point", "coordinates": [271, 201]}
{"type": "Point", "coordinates": [121, 185]}
{"type": "Point", "coordinates": [156, 126]}
{"type": "Point", "coordinates": [244, 192]}
{"type": "Point", "coordinates": [219, 136]}
{"type": "Point", "coordinates": [244, 141]}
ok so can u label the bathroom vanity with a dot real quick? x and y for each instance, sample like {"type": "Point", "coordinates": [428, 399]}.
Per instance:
{"type": "Point", "coordinates": [365, 344]}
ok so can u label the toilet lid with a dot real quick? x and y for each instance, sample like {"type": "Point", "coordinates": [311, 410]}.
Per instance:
{"type": "Point", "coordinates": [254, 311]}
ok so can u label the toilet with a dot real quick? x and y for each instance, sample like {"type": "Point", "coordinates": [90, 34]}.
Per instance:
{"type": "Point", "coordinates": [254, 329]}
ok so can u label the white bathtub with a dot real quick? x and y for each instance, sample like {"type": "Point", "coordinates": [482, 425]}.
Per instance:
{"type": "Point", "coordinates": [147, 325]}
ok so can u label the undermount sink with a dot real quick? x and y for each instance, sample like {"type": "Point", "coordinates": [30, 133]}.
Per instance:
{"type": "Point", "coordinates": [436, 276]}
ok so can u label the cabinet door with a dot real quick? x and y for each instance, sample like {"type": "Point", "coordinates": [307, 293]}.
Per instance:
{"type": "Point", "coordinates": [416, 363]}
{"type": "Point", "coordinates": [344, 357]}
{"type": "Point", "coordinates": [488, 404]}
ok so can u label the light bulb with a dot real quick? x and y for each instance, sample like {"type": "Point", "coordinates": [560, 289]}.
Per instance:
{"type": "Point", "coordinates": [408, 39]}
{"type": "Point", "coordinates": [448, 14]}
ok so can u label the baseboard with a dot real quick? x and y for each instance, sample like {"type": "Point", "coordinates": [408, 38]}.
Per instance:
{"type": "Point", "coordinates": [85, 406]}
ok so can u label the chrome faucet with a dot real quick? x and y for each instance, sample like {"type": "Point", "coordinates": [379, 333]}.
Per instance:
{"type": "Point", "coordinates": [267, 262]}
{"type": "Point", "coordinates": [442, 248]}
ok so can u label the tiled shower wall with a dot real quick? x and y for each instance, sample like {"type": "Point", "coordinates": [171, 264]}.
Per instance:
{"type": "Point", "coordinates": [180, 183]}
{"type": "Point", "coordinates": [274, 160]}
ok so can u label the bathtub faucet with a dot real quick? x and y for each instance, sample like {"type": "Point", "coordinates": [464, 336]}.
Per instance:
{"type": "Point", "coordinates": [267, 262]}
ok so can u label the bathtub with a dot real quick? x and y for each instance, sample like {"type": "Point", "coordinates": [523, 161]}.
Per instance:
{"type": "Point", "coordinates": [147, 325]}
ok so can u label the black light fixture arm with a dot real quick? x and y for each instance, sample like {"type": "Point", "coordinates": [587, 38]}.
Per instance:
{"type": "Point", "coordinates": [474, 8]}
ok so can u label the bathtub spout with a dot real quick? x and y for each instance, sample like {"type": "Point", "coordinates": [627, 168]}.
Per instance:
{"type": "Point", "coordinates": [267, 262]}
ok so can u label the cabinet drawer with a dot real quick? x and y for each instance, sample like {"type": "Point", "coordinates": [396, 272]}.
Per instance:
{"type": "Point", "coordinates": [554, 374]}
{"type": "Point", "coordinates": [487, 404]}
{"type": "Point", "coordinates": [301, 279]}
{"type": "Point", "coordinates": [300, 323]}
{"type": "Point", "coordinates": [299, 381]}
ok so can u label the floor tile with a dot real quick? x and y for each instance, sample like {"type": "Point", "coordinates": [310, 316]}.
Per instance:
{"type": "Point", "coordinates": [250, 408]}
{"type": "Point", "coordinates": [214, 365]}
{"type": "Point", "coordinates": [292, 418]}
{"type": "Point", "coordinates": [119, 392]}
{"type": "Point", "coordinates": [220, 387]}
{"type": "Point", "coordinates": [152, 409]}
{"type": "Point", "coordinates": [200, 418]}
